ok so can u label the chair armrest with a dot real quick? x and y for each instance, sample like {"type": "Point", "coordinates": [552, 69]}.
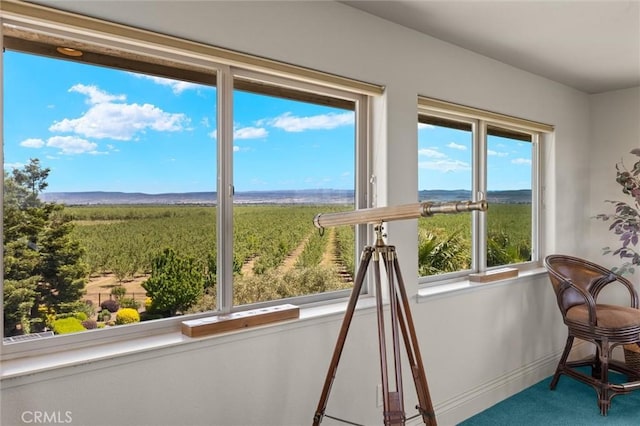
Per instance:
{"type": "Point", "coordinates": [598, 283]}
{"type": "Point", "coordinates": [567, 284]}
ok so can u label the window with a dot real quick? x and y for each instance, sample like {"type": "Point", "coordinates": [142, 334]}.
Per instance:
{"type": "Point", "coordinates": [121, 166]}
{"type": "Point", "coordinates": [445, 174]}
{"type": "Point", "coordinates": [468, 154]}
{"type": "Point", "coordinates": [168, 183]}
{"type": "Point", "coordinates": [293, 157]}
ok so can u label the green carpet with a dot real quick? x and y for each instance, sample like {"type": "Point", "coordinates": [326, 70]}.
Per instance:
{"type": "Point", "coordinates": [572, 403]}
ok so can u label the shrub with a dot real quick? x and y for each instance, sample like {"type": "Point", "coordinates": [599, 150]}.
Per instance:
{"type": "Point", "coordinates": [88, 308]}
{"type": "Point", "coordinates": [81, 316]}
{"type": "Point", "coordinates": [110, 305]}
{"type": "Point", "coordinates": [127, 316]}
{"type": "Point", "coordinates": [129, 302]}
{"type": "Point", "coordinates": [71, 308]}
{"type": "Point", "coordinates": [118, 292]}
{"type": "Point", "coordinates": [441, 251]}
{"type": "Point", "coordinates": [146, 316]}
{"type": "Point", "coordinates": [104, 315]}
{"type": "Point", "coordinates": [67, 325]}
{"type": "Point", "coordinates": [89, 324]}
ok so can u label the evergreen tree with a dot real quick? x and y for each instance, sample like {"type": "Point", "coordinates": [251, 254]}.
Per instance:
{"type": "Point", "coordinates": [43, 270]}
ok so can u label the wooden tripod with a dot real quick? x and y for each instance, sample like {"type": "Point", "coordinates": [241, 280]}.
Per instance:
{"type": "Point", "coordinates": [401, 322]}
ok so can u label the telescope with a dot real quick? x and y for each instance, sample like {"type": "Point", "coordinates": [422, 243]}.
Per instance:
{"type": "Point", "coordinates": [400, 319]}
{"type": "Point", "coordinates": [406, 211]}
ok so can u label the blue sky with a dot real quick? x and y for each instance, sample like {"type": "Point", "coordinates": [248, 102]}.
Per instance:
{"type": "Point", "coordinates": [107, 130]}
{"type": "Point", "coordinates": [100, 129]}
{"type": "Point", "coordinates": [444, 160]}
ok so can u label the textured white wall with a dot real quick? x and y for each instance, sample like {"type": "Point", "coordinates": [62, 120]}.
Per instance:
{"type": "Point", "coordinates": [478, 346]}
{"type": "Point", "coordinates": [615, 131]}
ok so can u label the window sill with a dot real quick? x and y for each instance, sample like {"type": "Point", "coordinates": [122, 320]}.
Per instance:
{"type": "Point", "coordinates": [457, 286]}
{"type": "Point", "coordinates": [19, 371]}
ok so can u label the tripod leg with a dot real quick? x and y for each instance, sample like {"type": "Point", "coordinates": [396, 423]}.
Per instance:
{"type": "Point", "coordinates": [392, 401]}
{"type": "Point", "coordinates": [394, 415]}
{"type": "Point", "coordinates": [342, 336]}
{"type": "Point", "coordinates": [413, 351]}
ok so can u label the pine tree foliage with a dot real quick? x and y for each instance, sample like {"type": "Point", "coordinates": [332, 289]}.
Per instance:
{"type": "Point", "coordinates": [43, 270]}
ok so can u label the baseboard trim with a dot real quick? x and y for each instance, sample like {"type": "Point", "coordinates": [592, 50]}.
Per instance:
{"type": "Point", "coordinates": [466, 404]}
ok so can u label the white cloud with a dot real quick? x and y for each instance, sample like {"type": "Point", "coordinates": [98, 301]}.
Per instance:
{"type": "Point", "coordinates": [521, 161]}
{"type": "Point", "coordinates": [236, 148]}
{"type": "Point", "coordinates": [176, 86]}
{"type": "Point", "coordinates": [95, 95]}
{"type": "Point", "coordinates": [250, 133]}
{"type": "Point", "coordinates": [32, 143]}
{"type": "Point", "coordinates": [72, 145]}
{"type": "Point", "coordinates": [121, 121]}
{"type": "Point", "coordinates": [66, 144]}
{"type": "Point", "coordinates": [11, 166]}
{"type": "Point", "coordinates": [425, 126]}
{"type": "Point", "coordinates": [493, 153]}
{"type": "Point", "coordinates": [444, 165]}
{"type": "Point", "coordinates": [291, 123]}
{"type": "Point", "coordinates": [431, 153]}
{"type": "Point", "coordinates": [457, 146]}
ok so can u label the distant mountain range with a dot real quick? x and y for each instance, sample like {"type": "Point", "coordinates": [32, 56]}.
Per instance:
{"type": "Point", "coordinates": [309, 196]}
{"type": "Point", "coordinates": [518, 196]}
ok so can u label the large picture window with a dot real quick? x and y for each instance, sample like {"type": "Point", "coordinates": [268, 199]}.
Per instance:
{"type": "Point", "coordinates": [109, 173]}
{"type": "Point", "coordinates": [468, 154]}
{"type": "Point", "coordinates": [142, 187]}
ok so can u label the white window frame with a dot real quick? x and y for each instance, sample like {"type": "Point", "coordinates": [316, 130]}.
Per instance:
{"type": "Point", "coordinates": [34, 19]}
{"type": "Point", "coordinates": [479, 121]}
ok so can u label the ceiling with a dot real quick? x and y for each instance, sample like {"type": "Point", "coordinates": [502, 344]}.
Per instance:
{"type": "Point", "coordinates": [593, 46]}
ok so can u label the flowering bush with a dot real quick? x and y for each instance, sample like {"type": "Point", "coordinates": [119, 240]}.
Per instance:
{"type": "Point", "coordinates": [127, 316]}
{"type": "Point", "coordinates": [626, 219]}
{"type": "Point", "coordinates": [67, 325]}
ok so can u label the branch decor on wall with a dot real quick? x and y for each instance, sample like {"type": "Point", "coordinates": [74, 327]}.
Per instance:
{"type": "Point", "coordinates": [625, 221]}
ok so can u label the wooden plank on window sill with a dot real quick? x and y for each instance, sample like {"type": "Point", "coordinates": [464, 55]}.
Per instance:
{"type": "Point", "coordinates": [238, 320]}
{"type": "Point", "coordinates": [493, 275]}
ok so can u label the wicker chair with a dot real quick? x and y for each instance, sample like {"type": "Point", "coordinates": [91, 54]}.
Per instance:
{"type": "Point", "coordinates": [577, 283]}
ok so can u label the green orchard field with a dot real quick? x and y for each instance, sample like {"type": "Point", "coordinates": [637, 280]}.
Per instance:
{"type": "Point", "coordinates": [275, 245]}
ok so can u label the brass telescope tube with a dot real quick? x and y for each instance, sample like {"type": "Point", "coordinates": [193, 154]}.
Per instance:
{"type": "Point", "coordinates": [386, 214]}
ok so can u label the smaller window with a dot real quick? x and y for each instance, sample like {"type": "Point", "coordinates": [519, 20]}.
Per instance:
{"type": "Point", "coordinates": [464, 154]}
{"type": "Point", "coordinates": [509, 190]}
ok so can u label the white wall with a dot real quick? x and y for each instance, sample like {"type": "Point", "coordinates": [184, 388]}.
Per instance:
{"type": "Point", "coordinates": [478, 346]}
{"type": "Point", "coordinates": [615, 131]}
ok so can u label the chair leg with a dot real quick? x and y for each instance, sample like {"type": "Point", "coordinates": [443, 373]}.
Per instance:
{"type": "Point", "coordinates": [604, 397]}
{"type": "Point", "coordinates": [596, 366]}
{"type": "Point", "coordinates": [561, 365]}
